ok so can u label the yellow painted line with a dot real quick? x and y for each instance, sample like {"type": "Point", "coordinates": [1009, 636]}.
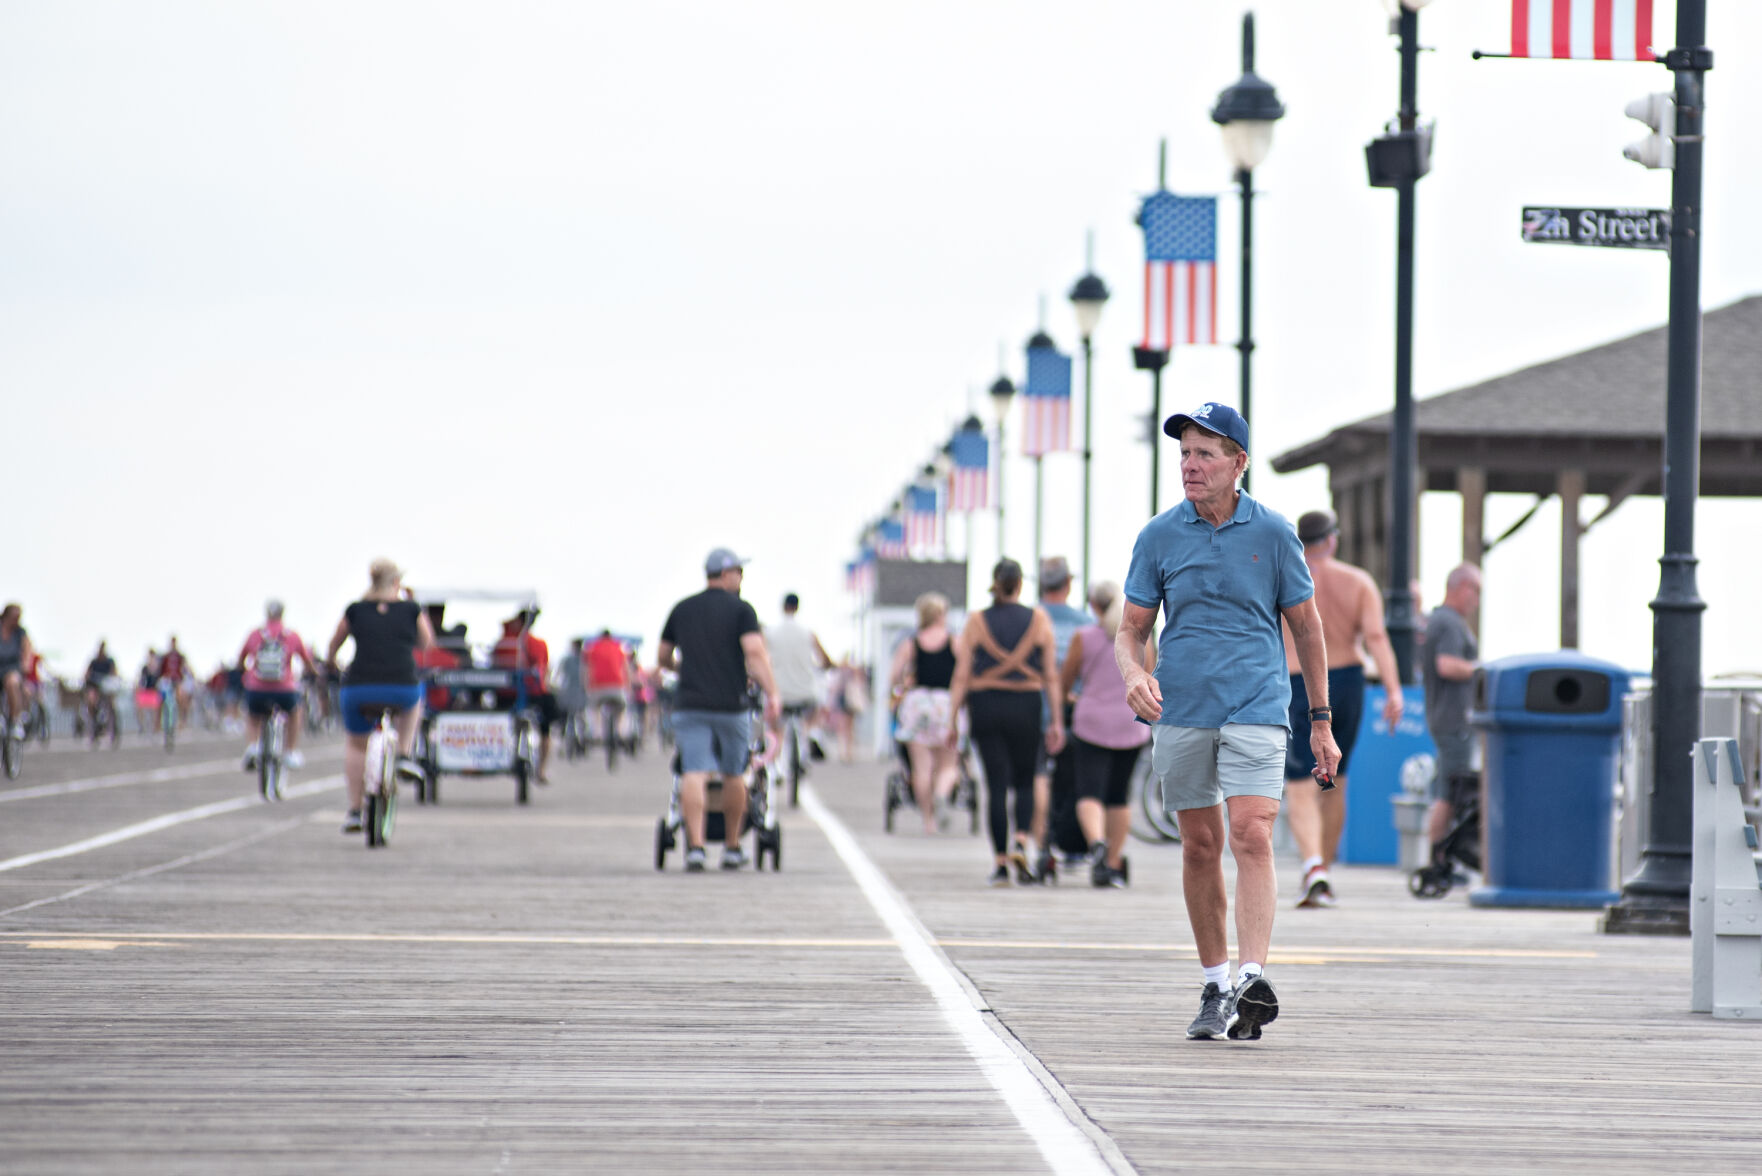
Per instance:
{"type": "Point", "coordinates": [35, 938]}
{"type": "Point", "coordinates": [1294, 955]}
{"type": "Point", "coordinates": [87, 944]}
{"type": "Point", "coordinates": [1330, 950]}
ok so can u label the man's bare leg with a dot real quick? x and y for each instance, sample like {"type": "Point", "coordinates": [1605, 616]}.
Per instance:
{"type": "Point", "coordinates": [1202, 882]}
{"type": "Point", "coordinates": [692, 789]}
{"type": "Point", "coordinates": [733, 810]}
{"type": "Point", "coordinates": [1257, 880]}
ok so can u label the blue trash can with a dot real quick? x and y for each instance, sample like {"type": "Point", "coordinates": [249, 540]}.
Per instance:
{"type": "Point", "coordinates": [1553, 744]}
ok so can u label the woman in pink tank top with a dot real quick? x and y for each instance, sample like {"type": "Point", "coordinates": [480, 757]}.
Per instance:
{"type": "Point", "coordinates": [1106, 738]}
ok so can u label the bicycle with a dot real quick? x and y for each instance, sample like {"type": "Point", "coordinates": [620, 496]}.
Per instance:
{"type": "Point", "coordinates": [272, 753]}
{"type": "Point", "coordinates": [793, 740]}
{"type": "Point", "coordinates": [575, 736]}
{"type": "Point", "coordinates": [379, 801]}
{"type": "Point", "coordinates": [168, 712]}
{"type": "Point", "coordinates": [37, 720]}
{"type": "Point", "coordinates": [11, 750]}
{"type": "Point", "coordinates": [101, 712]}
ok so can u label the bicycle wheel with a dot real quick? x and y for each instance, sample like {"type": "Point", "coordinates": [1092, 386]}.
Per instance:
{"type": "Point", "coordinates": [794, 768]}
{"type": "Point", "coordinates": [609, 727]}
{"type": "Point", "coordinates": [40, 721]}
{"type": "Point", "coordinates": [1149, 821]}
{"type": "Point", "coordinates": [266, 782]}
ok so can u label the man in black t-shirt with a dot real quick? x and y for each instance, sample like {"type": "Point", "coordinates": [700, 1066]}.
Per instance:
{"type": "Point", "coordinates": [718, 635]}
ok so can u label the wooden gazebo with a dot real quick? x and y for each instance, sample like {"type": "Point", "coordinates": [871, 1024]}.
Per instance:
{"type": "Point", "coordinates": [1590, 423]}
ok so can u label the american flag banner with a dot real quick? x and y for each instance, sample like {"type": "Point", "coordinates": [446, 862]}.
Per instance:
{"type": "Point", "coordinates": [1582, 30]}
{"type": "Point", "coordinates": [969, 483]}
{"type": "Point", "coordinates": [1046, 399]}
{"type": "Point", "coordinates": [890, 540]}
{"type": "Point", "coordinates": [866, 572]}
{"type": "Point", "coordinates": [851, 581]}
{"type": "Point", "coordinates": [923, 518]}
{"type": "Point", "coordinates": [1180, 270]}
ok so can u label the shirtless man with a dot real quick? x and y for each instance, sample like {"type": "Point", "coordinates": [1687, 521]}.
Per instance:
{"type": "Point", "coordinates": [1352, 625]}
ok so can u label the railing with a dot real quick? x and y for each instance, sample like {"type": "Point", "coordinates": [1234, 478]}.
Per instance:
{"type": "Point", "coordinates": [1725, 898]}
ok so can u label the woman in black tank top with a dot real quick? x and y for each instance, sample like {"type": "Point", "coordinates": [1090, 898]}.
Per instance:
{"type": "Point", "coordinates": [923, 670]}
{"type": "Point", "coordinates": [1005, 666]}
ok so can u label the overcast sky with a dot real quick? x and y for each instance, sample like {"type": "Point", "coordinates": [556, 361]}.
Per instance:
{"type": "Point", "coordinates": [563, 295]}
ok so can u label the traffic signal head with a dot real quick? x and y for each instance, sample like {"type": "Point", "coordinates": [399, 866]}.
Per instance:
{"type": "Point", "coordinates": [1657, 111]}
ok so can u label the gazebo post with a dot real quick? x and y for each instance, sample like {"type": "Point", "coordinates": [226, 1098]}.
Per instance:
{"type": "Point", "coordinates": [1471, 483]}
{"type": "Point", "coordinates": [1571, 484]}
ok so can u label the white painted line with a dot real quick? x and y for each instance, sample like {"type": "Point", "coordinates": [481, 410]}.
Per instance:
{"type": "Point", "coordinates": [1065, 1147]}
{"type": "Point", "coordinates": [184, 817]}
{"type": "Point", "coordinates": [123, 779]}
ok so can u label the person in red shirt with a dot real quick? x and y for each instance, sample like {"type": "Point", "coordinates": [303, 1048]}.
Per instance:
{"type": "Point", "coordinates": [271, 681]}
{"type": "Point", "coordinates": [175, 676]}
{"type": "Point", "coordinates": [608, 678]}
{"type": "Point", "coordinates": [519, 649]}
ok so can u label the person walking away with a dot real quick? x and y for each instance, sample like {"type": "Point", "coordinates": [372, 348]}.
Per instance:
{"type": "Point", "coordinates": [519, 648]}
{"type": "Point", "coordinates": [608, 683]}
{"type": "Point", "coordinates": [1005, 666]}
{"type": "Point", "coordinates": [272, 683]}
{"type": "Point", "coordinates": [387, 629]}
{"type": "Point", "coordinates": [713, 640]}
{"type": "Point", "coordinates": [922, 672]}
{"type": "Point", "coordinates": [16, 653]}
{"type": "Point", "coordinates": [1351, 609]}
{"type": "Point", "coordinates": [1107, 738]}
{"type": "Point", "coordinates": [1223, 568]}
{"type": "Point", "coordinates": [1448, 660]}
{"type": "Point", "coordinates": [1055, 783]}
{"type": "Point", "coordinates": [797, 657]}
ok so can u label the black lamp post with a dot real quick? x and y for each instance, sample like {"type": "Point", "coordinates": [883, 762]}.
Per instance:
{"type": "Point", "coordinates": [1002, 392]}
{"type": "Point", "coordinates": [1397, 160]}
{"type": "Point", "coordinates": [1246, 112]}
{"type": "Point", "coordinates": [1088, 297]}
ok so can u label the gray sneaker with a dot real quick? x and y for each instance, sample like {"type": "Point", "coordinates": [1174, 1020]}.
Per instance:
{"type": "Point", "coordinates": [1251, 1005]}
{"type": "Point", "coordinates": [352, 821]}
{"type": "Point", "coordinates": [1209, 1024]}
{"type": "Point", "coordinates": [733, 858]}
{"type": "Point", "coordinates": [694, 860]}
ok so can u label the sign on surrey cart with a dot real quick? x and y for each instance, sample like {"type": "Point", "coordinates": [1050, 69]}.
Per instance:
{"type": "Point", "coordinates": [1608, 228]}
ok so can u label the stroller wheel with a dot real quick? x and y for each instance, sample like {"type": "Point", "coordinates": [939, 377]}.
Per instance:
{"type": "Point", "coordinates": [1429, 883]}
{"type": "Point", "coordinates": [663, 842]}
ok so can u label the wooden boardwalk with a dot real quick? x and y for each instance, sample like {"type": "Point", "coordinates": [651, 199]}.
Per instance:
{"type": "Point", "coordinates": [515, 989]}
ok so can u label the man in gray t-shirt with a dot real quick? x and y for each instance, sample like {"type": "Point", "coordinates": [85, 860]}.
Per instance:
{"type": "Point", "coordinates": [1450, 658]}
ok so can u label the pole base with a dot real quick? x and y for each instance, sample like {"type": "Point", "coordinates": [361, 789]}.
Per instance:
{"type": "Point", "coordinates": [1645, 916]}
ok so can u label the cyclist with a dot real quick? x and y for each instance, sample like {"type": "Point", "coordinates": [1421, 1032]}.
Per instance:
{"type": "Point", "coordinates": [16, 653]}
{"type": "Point", "coordinates": [388, 629]}
{"type": "Point", "coordinates": [174, 678]}
{"type": "Point", "coordinates": [100, 693]}
{"type": "Point", "coordinates": [608, 680]}
{"type": "Point", "coordinates": [518, 648]}
{"type": "Point", "coordinates": [567, 685]}
{"type": "Point", "coordinates": [271, 683]}
{"type": "Point", "coordinates": [797, 657]}
{"type": "Point", "coordinates": [147, 693]}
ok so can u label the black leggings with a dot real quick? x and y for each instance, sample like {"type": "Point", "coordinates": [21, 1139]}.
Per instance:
{"type": "Point", "coordinates": [1105, 773]}
{"type": "Point", "coordinates": [1005, 728]}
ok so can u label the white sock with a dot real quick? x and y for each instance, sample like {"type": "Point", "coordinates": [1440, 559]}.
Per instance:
{"type": "Point", "coordinates": [1310, 863]}
{"type": "Point", "coordinates": [1219, 975]}
{"type": "Point", "coordinates": [1247, 972]}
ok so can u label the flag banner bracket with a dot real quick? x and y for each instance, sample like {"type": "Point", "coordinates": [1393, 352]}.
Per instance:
{"type": "Point", "coordinates": [1698, 58]}
{"type": "Point", "coordinates": [1480, 54]}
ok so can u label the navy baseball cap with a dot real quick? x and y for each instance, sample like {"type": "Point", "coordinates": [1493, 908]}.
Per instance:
{"type": "Point", "coordinates": [1218, 418]}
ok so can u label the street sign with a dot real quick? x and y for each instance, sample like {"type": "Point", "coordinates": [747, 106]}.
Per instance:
{"type": "Point", "coordinates": [1609, 228]}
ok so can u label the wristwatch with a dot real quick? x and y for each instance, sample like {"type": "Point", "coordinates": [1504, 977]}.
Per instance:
{"type": "Point", "coordinates": [1319, 713]}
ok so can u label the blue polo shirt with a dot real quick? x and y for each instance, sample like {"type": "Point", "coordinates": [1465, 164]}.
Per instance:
{"type": "Point", "coordinates": [1221, 658]}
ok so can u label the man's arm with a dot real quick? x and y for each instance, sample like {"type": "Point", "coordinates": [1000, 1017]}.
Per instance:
{"type": "Point", "coordinates": [1312, 657]}
{"type": "Point", "coordinates": [758, 668]}
{"type": "Point", "coordinates": [664, 657]}
{"type": "Point", "coordinates": [1456, 669]}
{"type": "Point", "coordinates": [1067, 675]}
{"type": "Point", "coordinates": [820, 652]}
{"type": "Point", "coordinates": [1381, 650]}
{"type": "Point", "coordinates": [1143, 694]}
{"type": "Point", "coordinates": [1055, 695]}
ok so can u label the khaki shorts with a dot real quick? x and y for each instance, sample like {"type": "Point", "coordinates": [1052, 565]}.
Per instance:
{"type": "Point", "coordinates": [1200, 767]}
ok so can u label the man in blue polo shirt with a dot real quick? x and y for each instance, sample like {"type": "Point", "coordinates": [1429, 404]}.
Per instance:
{"type": "Point", "coordinates": [1224, 569]}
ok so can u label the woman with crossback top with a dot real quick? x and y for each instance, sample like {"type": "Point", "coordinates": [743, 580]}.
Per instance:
{"type": "Point", "coordinates": [1005, 660]}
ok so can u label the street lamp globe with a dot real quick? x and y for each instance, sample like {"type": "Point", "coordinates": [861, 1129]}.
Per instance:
{"type": "Point", "coordinates": [1247, 110]}
{"type": "Point", "coordinates": [1088, 297]}
{"type": "Point", "coordinates": [1002, 392]}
